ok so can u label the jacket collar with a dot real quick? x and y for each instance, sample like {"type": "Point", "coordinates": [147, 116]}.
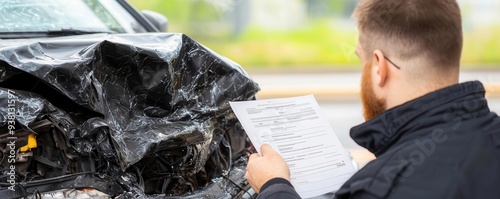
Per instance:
{"type": "Point", "coordinates": [377, 134]}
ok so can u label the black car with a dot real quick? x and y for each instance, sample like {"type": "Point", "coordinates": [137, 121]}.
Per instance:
{"type": "Point", "coordinates": [97, 102]}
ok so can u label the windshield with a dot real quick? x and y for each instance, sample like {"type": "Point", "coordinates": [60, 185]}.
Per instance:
{"type": "Point", "coordinates": [18, 16]}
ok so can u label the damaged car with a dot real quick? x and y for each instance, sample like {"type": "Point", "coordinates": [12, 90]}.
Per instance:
{"type": "Point", "coordinates": [96, 103]}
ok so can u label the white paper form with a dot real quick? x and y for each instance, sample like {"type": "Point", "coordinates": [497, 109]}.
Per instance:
{"type": "Point", "coordinates": [296, 129]}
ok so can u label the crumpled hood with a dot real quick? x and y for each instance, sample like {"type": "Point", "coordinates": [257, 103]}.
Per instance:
{"type": "Point", "coordinates": [156, 96]}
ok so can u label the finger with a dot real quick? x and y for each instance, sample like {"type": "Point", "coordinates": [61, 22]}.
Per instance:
{"type": "Point", "coordinates": [253, 156]}
{"type": "Point", "coordinates": [266, 149]}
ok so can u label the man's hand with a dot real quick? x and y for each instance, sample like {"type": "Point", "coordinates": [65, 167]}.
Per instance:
{"type": "Point", "coordinates": [262, 169]}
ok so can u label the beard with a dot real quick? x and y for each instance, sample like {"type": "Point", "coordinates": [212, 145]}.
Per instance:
{"type": "Point", "coordinates": [372, 106]}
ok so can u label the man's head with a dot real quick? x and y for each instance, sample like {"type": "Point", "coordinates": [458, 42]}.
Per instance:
{"type": "Point", "coordinates": [408, 48]}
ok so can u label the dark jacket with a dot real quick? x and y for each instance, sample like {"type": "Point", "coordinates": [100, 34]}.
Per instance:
{"type": "Point", "coordinates": [445, 144]}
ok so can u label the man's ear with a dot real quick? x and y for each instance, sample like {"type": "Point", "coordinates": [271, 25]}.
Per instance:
{"type": "Point", "coordinates": [380, 68]}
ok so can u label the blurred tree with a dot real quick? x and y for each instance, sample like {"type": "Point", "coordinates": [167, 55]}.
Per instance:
{"type": "Point", "coordinates": [240, 30]}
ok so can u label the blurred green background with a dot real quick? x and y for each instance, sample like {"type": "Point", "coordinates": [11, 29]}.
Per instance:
{"type": "Point", "coordinates": [265, 34]}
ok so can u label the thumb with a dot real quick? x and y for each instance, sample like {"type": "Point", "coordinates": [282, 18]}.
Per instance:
{"type": "Point", "coordinates": [266, 149]}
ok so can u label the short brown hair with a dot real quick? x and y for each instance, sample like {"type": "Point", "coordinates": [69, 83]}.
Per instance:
{"type": "Point", "coordinates": [409, 28]}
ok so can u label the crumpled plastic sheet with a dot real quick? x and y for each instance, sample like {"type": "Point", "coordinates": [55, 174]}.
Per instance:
{"type": "Point", "coordinates": [141, 102]}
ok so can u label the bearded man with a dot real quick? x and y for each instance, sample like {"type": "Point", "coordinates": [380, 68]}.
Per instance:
{"type": "Point", "coordinates": [433, 137]}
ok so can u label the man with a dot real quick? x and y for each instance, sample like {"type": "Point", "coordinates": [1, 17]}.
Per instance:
{"type": "Point", "coordinates": [433, 137]}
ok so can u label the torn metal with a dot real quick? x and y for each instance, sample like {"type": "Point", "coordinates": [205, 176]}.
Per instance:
{"type": "Point", "coordinates": [142, 115]}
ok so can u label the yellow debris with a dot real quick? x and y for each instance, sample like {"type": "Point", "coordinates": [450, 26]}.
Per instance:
{"type": "Point", "coordinates": [31, 143]}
